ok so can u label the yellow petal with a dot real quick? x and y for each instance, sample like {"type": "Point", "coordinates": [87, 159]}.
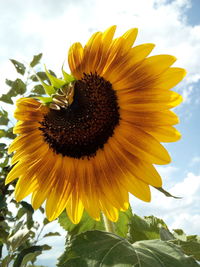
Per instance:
{"type": "Point", "coordinates": [88, 187]}
{"type": "Point", "coordinates": [142, 145]}
{"type": "Point", "coordinates": [155, 65]}
{"type": "Point", "coordinates": [130, 36]}
{"type": "Point", "coordinates": [107, 37]}
{"type": "Point", "coordinates": [61, 190]}
{"type": "Point", "coordinates": [137, 187]}
{"type": "Point", "coordinates": [148, 100]}
{"type": "Point", "coordinates": [75, 57]}
{"type": "Point", "coordinates": [110, 212]}
{"type": "Point", "coordinates": [159, 118]}
{"type": "Point", "coordinates": [24, 187]}
{"type": "Point", "coordinates": [164, 133]}
{"type": "Point", "coordinates": [170, 78]}
{"type": "Point", "coordinates": [75, 207]}
{"type": "Point", "coordinates": [130, 164]}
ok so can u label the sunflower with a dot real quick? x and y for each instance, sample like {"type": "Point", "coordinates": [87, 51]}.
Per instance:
{"type": "Point", "coordinates": [99, 135]}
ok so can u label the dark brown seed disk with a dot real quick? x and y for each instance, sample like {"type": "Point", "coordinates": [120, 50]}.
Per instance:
{"type": "Point", "coordinates": [86, 125]}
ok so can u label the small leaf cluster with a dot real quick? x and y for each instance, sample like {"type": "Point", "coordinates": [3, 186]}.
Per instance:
{"type": "Point", "coordinates": [19, 231]}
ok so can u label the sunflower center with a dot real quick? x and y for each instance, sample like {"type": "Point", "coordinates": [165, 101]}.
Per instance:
{"type": "Point", "coordinates": [85, 126]}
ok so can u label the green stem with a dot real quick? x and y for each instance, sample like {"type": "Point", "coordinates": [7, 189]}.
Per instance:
{"type": "Point", "coordinates": [109, 226]}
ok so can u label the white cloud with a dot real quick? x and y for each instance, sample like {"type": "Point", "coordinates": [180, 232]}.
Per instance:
{"type": "Point", "coordinates": [53, 28]}
{"type": "Point", "coordinates": [178, 213]}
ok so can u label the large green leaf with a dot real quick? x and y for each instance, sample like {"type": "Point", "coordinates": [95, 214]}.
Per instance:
{"type": "Point", "coordinates": [87, 223]}
{"type": "Point", "coordinates": [96, 248]}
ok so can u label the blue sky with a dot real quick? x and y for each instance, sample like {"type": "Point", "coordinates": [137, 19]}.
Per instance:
{"type": "Point", "coordinates": [50, 27]}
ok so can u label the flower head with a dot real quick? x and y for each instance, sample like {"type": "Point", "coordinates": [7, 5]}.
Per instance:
{"type": "Point", "coordinates": [99, 135]}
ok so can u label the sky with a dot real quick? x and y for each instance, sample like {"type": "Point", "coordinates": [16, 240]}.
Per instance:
{"type": "Point", "coordinates": [48, 26]}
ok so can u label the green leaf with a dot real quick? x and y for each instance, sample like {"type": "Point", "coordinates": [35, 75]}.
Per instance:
{"type": "Point", "coordinates": [9, 133]}
{"type": "Point", "coordinates": [30, 257]}
{"type": "Point", "coordinates": [5, 262]}
{"type": "Point", "coordinates": [19, 66]}
{"type": "Point", "coordinates": [179, 234]}
{"type": "Point", "coordinates": [96, 248]}
{"type": "Point", "coordinates": [4, 163]}
{"type": "Point", "coordinates": [191, 246]}
{"type": "Point", "coordinates": [122, 225]}
{"type": "Point", "coordinates": [18, 238]}
{"type": "Point", "coordinates": [36, 60]}
{"type": "Point", "coordinates": [2, 146]}
{"type": "Point", "coordinates": [3, 235]}
{"type": "Point", "coordinates": [46, 221]}
{"type": "Point", "coordinates": [34, 249]}
{"type": "Point", "coordinates": [2, 133]}
{"type": "Point", "coordinates": [1, 248]}
{"type": "Point", "coordinates": [38, 89]}
{"type": "Point", "coordinates": [18, 88]}
{"type": "Point", "coordinates": [6, 98]}
{"type": "Point", "coordinates": [165, 234]}
{"type": "Point", "coordinates": [88, 223]}
{"type": "Point", "coordinates": [20, 213]}
{"type": "Point", "coordinates": [9, 82]}
{"type": "Point", "coordinates": [3, 121]}
{"type": "Point", "coordinates": [167, 194]}
{"type": "Point", "coordinates": [27, 206]}
{"type": "Point", "coordinates": [48, 88]}
{"type": "Point", "coordinates": [145, 228]}
{"type": "Point", "coordinates": [57, 83]}
{"type": "Point", "coordinates": [41, 74]}
{"type": "Point", "coordinates": [67, 77]}
{"type": "Point", "coordinates": [52, 234]}
{"type": "Point", "coordinates": [29, 221]}
{"type": "Point", "coordinates": [4, 117]}
{"type": "Point", "coordinates": [44, 99]}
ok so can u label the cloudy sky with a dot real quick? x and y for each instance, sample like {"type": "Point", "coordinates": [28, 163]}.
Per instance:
{"type": "Point", "coordinates": [49, 26]}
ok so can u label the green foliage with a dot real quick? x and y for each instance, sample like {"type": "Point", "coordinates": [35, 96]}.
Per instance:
{"type": "Point", "coordinates": [150, 233]}
{"type": "Point", "coordinates": [146, 228]}
{"type": "Point", "coordinates": [96, 248]}
{"type": "Point", "coordinates": [19, 233]}
{"type": "Point", "coordinates": [189, 244]}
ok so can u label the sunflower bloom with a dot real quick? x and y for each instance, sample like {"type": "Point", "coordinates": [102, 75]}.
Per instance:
{"type": "Point", "coordinates": [90, 149]}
